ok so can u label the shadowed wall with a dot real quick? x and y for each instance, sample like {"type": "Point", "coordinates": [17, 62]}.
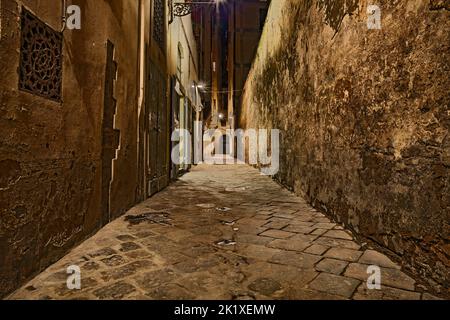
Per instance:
{"type": "Point", "coordinates": [365, 119]}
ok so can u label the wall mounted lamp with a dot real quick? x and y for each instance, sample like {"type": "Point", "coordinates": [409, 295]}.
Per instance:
{"type": "Point", "coordinates": [181, 9]}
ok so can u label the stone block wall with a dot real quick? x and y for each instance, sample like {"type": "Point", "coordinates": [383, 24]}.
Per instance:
{"type": "Point", "coordinates": [50, 151]}
{"type": "Point", "coordinates": [365, 118]}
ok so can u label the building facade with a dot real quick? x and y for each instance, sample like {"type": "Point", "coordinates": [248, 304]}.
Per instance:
{"type": "Point", "coordinates": [186, 102]}
{"type": "Point", "coordinates": [229, 34]}
{"type": "Point", "coordinates": [85, 120]}
{"type": "Point", "coordinates": [246, 22]}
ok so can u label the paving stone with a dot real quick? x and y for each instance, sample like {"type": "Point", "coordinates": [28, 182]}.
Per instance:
{"type": "Point", "coordinates": [129, 246]}
{"type": "Point", "coordinates": [319, 232]}
{"type": "Point", "coordinates": [286, 275]}
{"type": "Point", "coordinates": [114, 261]}
{"type": "Point", "coordinates": [284, 211]}
{"type": "Point", "coordinates": [308, 294]}
{"type": "Point", "coordinates": [150, 280]}
{"type": "Point", "coordinates": [138, 254]}
{"type": "Point", "coordinates": [386, 293]}
{"type": "Point", "coordinates": [199, 249]}
{"type": "Point", "coordinates": [281, 220]}
{"type": "Point", "coordinates": [321, 219]}
{"type": "Point", "coordinates": [60, 276]}
{"type": "Point", "coordinates": [276, 224]}
{"type": "Point", "coordinates": [115, 291]}
{"type": "Point", "coordinates": [181, 260]}
{"type": "Point", "coordinates": [90, 266]}
{"type": "Point", "coordinates": [126, 237]}
{"type": "Point", "coordinates": [296, 222]}
{"type": "Point", "coordinates": [378, 259]}
{"type": "Point", "coordinates": [338, 243]}
{"type": "Point", "coordinates": [277, 234]}
{"type": "Point", "coordinates": [304, 218]}
{"type": "Point", "coordinates": [344, 254]}
{"type": "Point", "coordinates": [335, 285]}
{"type": "Point", "coordinates": [284, 215]}
{"type": "Point", "coordinates": [126, 270]}
{"type": "Point", "coordinates": [389, 277]}
{"type": "Point", "coordinates": [316, 249]}
{"type": "Point", "coordinates": [300, 260]}
{"type": "Point", "coordinates": [289, 245]}
{"type": "Point", "coordinates": [171, 291]}
{"type": "Point", "coordinates": [250, 229]}
{"type": "Point", "coordinates": [258, 252]}
{"type": "Point", "coordinates": [327, 226]}
{"type": "Point", "coordinates": [252, 222]}
{"type": "Point", "coordinates": [338, 234]}
{"type": "Point", "coordinates": [145, 234]}
{"type": "Point", "coordinates": [87, 283]}
{"type": "Point", "coordinates": [178, 235]}
{"type": "Point", "coordinates": [265, 286]}
{"type": "Point", "coordinates": [102, 253]}
{"type": "Point", "coordinates": [264, 213]}
{"type": "Point", "coordinates": [306, 238]}
{"type": "Point", "coordinates": [331, 266]}
{"type": "Point", "coordinates": [299, 229]}
{"type": "Point", "coordinates": [252, 239]}
{"type": "Point", "coordinates": [427, 296]}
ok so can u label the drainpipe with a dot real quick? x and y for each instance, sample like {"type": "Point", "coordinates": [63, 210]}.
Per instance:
{"type": "Point", "coordinates": [64, 15]}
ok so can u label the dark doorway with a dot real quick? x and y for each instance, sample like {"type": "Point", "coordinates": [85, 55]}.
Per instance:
{"type": "Point", "coordinates": [157, 137]}
{"type": "Point", "coordinates": [225, 144]}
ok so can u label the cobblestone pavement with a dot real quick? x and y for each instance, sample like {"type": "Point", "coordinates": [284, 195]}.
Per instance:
{"type": "Point", "coordinates": [222, 232]}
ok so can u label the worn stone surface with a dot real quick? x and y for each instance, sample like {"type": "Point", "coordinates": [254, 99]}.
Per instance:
{"type": "Point", "coordinates": [341, 286]}
{"type": "Point", "coordinates": [364, 119]}
{"type": "Point", "coordinates": [331, 266]}
{"type": "Point", "coordinates": [344, 254]}
{"type": "Point", "coordinates": [376, 258]}
{"type": "Point", "coordinates": [390, 277]}
{"type": "Point", "coordinates": [386, 293]}
{"type": "Point", "coordinates": [173, 262]}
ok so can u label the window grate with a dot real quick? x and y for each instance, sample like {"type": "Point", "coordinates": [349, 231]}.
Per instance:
{"type": "Point", "coordinates": [159, 22]}
{"type": "Point", "coordinates": [40, 58]}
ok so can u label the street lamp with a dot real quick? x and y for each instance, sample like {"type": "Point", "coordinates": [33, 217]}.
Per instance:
{"type": "Point", "coordinates": [181, 9]}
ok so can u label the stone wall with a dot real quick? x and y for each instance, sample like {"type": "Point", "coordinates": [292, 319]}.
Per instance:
{"type": "Point", "coordinates": [365, 119]}
{"type": "Point", "coordinates": [50, 151]}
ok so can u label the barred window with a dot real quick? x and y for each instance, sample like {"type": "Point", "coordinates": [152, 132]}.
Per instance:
{"type": "Point", "coordinates": [40, 58]}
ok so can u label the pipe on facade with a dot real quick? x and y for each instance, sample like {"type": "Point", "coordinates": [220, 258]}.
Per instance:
{"type": "Point", "coordinates": [64, 15]}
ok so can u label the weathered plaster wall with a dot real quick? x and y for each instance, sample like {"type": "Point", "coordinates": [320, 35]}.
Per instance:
{"type": "Point", "coordinates": [50, 153]}
{"type": "Point", "coordinates": [365, 118]}
{"type": "Point", "coordinates": [181, 33]}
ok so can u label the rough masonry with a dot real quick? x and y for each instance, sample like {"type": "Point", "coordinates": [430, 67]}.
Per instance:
{"type": "Point", "coordinates": [365, 119]}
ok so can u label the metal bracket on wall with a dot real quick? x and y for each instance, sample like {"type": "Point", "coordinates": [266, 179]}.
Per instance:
{"type": "Point", "coordinates": [182, 9]}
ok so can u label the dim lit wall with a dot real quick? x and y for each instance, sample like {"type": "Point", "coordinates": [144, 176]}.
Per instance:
{"type": "Point", "coordinates": [180, 35]}
{"type": "Point", "coordinates": [365, 119]}
{"type": "Point", "coordinates": [50, 152]}
{"type": "Point", "coordinates": [247, 20]}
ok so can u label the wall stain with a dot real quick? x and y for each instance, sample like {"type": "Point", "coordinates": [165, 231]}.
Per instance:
{"type": "Point", "coordinates": [365, 137]}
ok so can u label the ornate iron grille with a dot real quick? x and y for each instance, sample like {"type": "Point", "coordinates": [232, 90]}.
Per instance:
{"type": "Point", "coordinates": [159, 22]}
{"type": "Point", "coordinates": [181, 9]}
{"type": "Point", "coordinates": [40, 58]}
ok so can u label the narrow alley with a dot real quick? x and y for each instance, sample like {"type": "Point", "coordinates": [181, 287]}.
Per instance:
{"type": "Point", "coordinates": [227, 233]}
{"type": "Point", "coordinates": [225, 150]}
